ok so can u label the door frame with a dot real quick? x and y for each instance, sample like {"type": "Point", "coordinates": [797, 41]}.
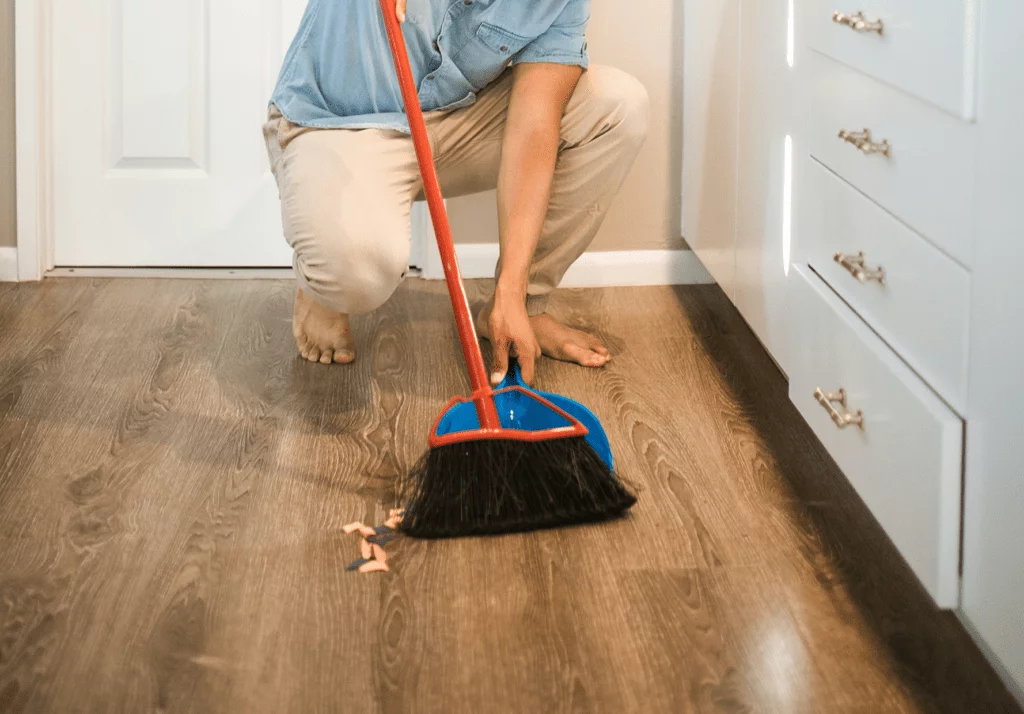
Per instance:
{"type": "Point", "coordinates": [33, 42]}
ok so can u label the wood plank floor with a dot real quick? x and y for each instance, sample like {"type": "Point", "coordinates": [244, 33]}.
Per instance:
{"type": "Point", "coordinates": [173, 481]}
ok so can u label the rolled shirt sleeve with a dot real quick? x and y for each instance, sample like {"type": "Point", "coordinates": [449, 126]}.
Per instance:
{"type": "Point", "coordinates": [565, 42]}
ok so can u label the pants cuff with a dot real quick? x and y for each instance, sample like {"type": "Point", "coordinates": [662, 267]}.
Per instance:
{"type": "Point", "coordinates": [536, 305]}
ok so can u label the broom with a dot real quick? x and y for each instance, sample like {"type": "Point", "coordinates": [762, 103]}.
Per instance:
{"type": "Point", "coordinates": [507, 459]}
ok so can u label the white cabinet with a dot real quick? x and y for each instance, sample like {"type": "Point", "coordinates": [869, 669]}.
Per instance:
{"type": "Point", "coordinates": [710, 91]}
{"type": "Point", "coordinates": [927, 178]}
{"type": "Point", "coordinates": [914, 296]}
{"type": "Point", "coordinates": [858, 192]}
{"type": "Point", "coordinates": [924, 47]}
{"type": "Point", "coordinates": [764, 176]}
{"type": "Point", "coordinates": [895, 440]}
{"type": "Point", "coordinates": [910, 211]}
{"type": "Point", "coordinates": [866, 210]}
{"type": "Point", "coordinates": [737, 125]}
{"type": "Point", "coordinates": [993, 561]}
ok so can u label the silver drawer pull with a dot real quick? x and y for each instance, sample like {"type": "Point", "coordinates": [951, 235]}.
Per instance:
{"type": "Point", "coordinates": [844, 418]}
{"type": "Point", "coordinates": [857, 22]}
{"type": "Point", "coordinates": [862, 140]}
{"type": "Point", "coordinates": [854, 265]}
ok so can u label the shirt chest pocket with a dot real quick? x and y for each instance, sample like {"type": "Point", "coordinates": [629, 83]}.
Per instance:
{"type": "Point", "coordinates": [488, 53]}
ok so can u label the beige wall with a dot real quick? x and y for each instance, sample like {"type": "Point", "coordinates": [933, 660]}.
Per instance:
{"type": "Point", "coordinates": [642, 37]}
{"type": "Point", "coordinates": [7, 226]}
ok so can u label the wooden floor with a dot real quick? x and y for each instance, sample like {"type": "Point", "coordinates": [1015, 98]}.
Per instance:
{"type": "Point", "coordinates": [173, 481]}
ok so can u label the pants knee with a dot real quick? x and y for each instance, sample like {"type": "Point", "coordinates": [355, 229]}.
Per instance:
{"type": "Point", "coordinates": [347, 222]}
{"type": "Point", "coordinates": [624, 101]}
{"type": "Point", "coordinates": [353, 279]}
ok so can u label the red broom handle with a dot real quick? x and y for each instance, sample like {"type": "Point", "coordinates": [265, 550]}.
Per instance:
{"type": "Point", "coordinates": [482, 392]}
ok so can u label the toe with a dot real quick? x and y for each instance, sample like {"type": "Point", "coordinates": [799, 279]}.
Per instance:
{"type": "Point", "coordinates": [344, 356]}
{"type": "Point", "coordinates": [595, 344]}
{"type": "Point", "coordinates": [327, 356]}
{"type": "Point", "coordinates": [582, 355]}
{"type": "Point", "coordinates": [314, 354]}
{"type": "Point", "coordinates": [593, 359]}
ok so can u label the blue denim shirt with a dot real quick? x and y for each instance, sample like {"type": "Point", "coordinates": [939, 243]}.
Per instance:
{"type": "Point", "coordinates": [338, 72]}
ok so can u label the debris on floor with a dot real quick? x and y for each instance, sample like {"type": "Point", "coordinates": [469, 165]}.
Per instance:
{"type": "Point", "coordinates": [373, 557]}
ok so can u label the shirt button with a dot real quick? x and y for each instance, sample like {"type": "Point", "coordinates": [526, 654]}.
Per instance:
{"type": "Point", "coordinates": [467, 2]}
{"type": "Point", "coordinates": [503, 48]}
{"type": "Point", "coordinates": [437, 48]}
{"type": "Point", "coordinates": [430, 76]}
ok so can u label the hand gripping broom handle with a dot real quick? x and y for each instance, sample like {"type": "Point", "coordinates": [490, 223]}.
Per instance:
{"type": "Point", "coordinates": [483, 395]}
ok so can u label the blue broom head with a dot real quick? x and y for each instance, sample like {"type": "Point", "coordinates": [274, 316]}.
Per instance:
{"type": "Point", "coordinates": [474, 483]}
{"type": "Point", "coordinates": [518, 411]}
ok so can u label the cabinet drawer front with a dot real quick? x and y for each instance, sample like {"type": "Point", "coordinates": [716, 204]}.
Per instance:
{"type": "Point", "coordinates": [905, 460]}
{"type": "Point", "coordinates": [927, 178]}
{"type": "Point", "coordinates": [915, 297]}
{"type": "Point", "coordinates": [926, 47]}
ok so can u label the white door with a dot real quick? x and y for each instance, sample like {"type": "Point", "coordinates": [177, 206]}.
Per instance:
{"type": "Point", "coordinates": [157, 112]}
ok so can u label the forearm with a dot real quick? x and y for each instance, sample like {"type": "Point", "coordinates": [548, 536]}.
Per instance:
{"type": "Point", "coordinates": [529, 153]}
{"type": "Point", "coordinates": [524, 185]}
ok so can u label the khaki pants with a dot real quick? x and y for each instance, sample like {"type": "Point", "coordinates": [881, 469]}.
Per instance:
{"type": "Point", "coordinates": [347, 194]}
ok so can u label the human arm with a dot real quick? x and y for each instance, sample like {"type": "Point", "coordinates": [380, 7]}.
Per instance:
{"type": "Point", "coordinates": [540, 92]}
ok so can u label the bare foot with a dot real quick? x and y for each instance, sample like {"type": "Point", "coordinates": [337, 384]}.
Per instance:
{"type": "Point", "coordinates": [321, 335]}
{"type": "Point", "coordinates": [559, 341]}
{"type": "Point", "coordinates": [564, 343]}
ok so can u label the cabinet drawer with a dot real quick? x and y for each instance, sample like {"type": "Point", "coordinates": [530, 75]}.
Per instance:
{"type": "Point", "coordinates": [926, 47]}
{"type": "Point", "coordinates": [927, 178]}
{"type": "Point", "coordinates": [905, 459]}
{"type": "Point", "coordinates": [920, 305]}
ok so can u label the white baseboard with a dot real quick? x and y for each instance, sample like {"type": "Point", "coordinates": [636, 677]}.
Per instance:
{"type": "Point", "coordinates": [637, 267]}
{"type": "Point", "coordinates": [598, 269]}
{"type": "Point", "coordinates": [476, 260]}
{"type": "Point", "coordinates": [8, 265]}
{"type": "Point", "coordinates": [176, 273]}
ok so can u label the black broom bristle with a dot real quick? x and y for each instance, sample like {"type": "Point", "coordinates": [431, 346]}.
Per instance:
{"type": "Point", "coordinates": [504, 486]}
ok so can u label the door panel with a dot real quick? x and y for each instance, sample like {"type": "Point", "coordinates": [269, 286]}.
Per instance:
{"type": "Point", "coordinates": [158, 85]}
{"type": "Point", "coordinates": [157, 112]}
